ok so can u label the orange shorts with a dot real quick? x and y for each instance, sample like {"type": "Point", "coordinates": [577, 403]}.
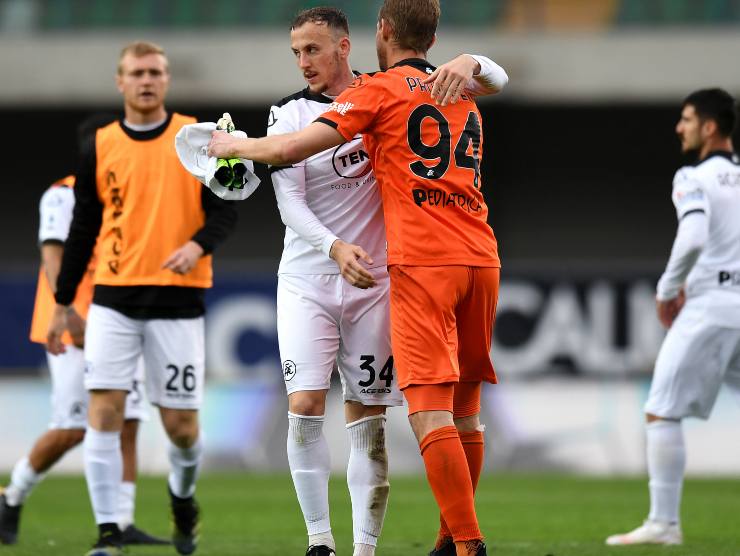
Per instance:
{"type": "Point", "coordinates": [441, 323]}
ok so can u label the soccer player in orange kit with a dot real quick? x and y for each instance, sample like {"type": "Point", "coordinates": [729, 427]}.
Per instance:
{"type": "Point", "coordinates": [442, 255]}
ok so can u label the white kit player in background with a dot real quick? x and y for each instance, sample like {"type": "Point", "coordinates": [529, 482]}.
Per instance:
{"type": "Point", "coordinates": [332, 210]}
{"type": "Point", "coordinates": [698, 300]}
{"type": "Point", "coordinates": [69, 398]}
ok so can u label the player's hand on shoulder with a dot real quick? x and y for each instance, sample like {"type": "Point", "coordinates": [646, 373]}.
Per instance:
{"type": "Point", "coordinates": [450, 79]}
{"type": "Point", "coordinates": [183, 259]}
{"type": "Point", "coordinates": [348, 256]}
{"type": "Point", "coordinates": [57, 326]}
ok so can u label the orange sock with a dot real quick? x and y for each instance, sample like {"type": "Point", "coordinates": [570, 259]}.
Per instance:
{"type": "Point", "coordinates": [448, 475]}
{"type": "Point", "coordinates": [466, 402]}
{"type": "Point", "coordinates": [474, 447]}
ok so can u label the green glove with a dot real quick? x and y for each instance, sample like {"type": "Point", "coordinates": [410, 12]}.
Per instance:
{"type": "Point", "coordinates": [230, 172]}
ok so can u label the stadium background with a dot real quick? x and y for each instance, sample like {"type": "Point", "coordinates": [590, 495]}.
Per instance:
{"type": "Point", "coordinates": [579, 155]}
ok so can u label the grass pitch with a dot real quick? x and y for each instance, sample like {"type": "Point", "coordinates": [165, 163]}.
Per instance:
{"type": "Point", "coordinates": [257, 515]}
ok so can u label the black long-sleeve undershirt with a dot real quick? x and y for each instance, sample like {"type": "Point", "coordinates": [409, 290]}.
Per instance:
{"type": "Point", "coordinates": [134, 301]}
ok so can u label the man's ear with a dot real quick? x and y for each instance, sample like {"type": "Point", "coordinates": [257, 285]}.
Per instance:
{"type": "Point", "coordinates": [345, 46]}
{"type": "Point", "coordinates": [386, 31]}
{"type": "Point", "coordinates": [708, 128]}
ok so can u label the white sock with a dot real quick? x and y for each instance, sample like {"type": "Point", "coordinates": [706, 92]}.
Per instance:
{"type": "Point", "coordinates": [308, 456]}
{"type": "Point", "coordinates": [103, 471]}
{"type": "Point", "coordinates": [126, 504]}
{"type": "Point", "coordinates": [184, 467]}
{"type": "Point", "coordinates": [666, 459]}
{"type": "Point", "coordinates": [367, 479]}
{"type": "Point", "coordinates": [364, 550]}
{"type": "Point", "coordinates": [22, 481]}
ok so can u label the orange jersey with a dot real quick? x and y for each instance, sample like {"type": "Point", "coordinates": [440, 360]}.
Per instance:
{"type": "Point", "coordinates": [44, 304]}
{"type": "Point", "coordinates": [151, 207]}
{"type": "Point", "coordinates": [426, 160]}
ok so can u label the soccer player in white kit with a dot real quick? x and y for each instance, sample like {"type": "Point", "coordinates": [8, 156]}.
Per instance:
{"type": "Point", "coordinates": [334, 229]}
{"type": "Point", "coordinates": [69, 398]}
{"type": "Point", "coordinates": [698, 300]}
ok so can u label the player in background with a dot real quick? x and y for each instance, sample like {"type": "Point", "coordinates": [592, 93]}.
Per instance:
{"type": "Point", "coordinates": [69, 397]}
{"type": "Point", "coordinates": [442, 255]}
{"type": "Point", "coordinates": [157, 226]}
{"type": "Point", "coordinates": [331, 207]}
{"type": "Point", "coordinates": [698, 301]}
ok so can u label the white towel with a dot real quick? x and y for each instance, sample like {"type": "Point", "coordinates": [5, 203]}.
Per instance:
{"type": "Point", "coordinates": [191, 144]}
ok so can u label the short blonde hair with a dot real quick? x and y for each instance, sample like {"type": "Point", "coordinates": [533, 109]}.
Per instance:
{"type": "Point", "coordinates": [139, 49]}
{"type": "Point", "coordinates": [414, 22]}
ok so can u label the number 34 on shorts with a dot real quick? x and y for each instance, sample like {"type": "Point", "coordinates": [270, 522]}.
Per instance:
{"type": "Point", "coordinates": [384, 376]}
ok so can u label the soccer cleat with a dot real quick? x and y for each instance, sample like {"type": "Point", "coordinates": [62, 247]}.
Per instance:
{"type": "Point", "coordinates": [186, 523]}
{"type": "Point", "coordinates": [650, 532]}
{"type": "Point", "coordinates": [134, 535]}
{"type": "Point", "coordinates": [109, 544]}
{"type": "Point", "coordinates": [447, 549]}
{"type": "Point", "coordinates": [9, 518]}
{"type": "Point", "coordinates": [319, 550]}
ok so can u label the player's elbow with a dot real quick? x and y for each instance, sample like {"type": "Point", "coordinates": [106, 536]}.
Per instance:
{"type": "Point", "coordinates": [290, 152]}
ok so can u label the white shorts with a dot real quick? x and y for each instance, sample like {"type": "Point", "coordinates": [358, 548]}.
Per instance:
{"type": "Point", "coordinates": [69, 397]}
{"type": "Point", "coordinates": [173, 352]}
{"type": "Point", "coordinates": [324, 322]}
{"type": "Point", "coordinates": [696, 357]}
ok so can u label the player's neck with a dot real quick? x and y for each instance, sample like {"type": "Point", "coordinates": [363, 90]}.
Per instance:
{"type": "Point", "coordinates": [342, 81]}
{"type": "Point", "coordinates": [144, 118]}
{"type": "Point", "coordinates": [718, 144]}
{"type": "Point", "coordinates": [395, 55]}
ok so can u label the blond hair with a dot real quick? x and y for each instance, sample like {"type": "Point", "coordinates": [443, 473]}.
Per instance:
{"type": "Point", "coordinates": [414, 22]}
{"type": "Point", "coordinates": [139, 49]}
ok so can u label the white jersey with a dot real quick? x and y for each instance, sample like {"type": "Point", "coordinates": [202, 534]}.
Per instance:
{"type": "Point", "coordinates": [330, 195]}
{"type": "Point", "coordinates": [713, 187]}
{"type": "Point", "coordinates": [55, 211]}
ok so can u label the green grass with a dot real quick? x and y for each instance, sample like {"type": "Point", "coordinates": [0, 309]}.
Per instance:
{"type": "Point", "coordinates": [256, 515]}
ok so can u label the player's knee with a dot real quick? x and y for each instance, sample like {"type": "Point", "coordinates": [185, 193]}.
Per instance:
{"type": "Point", "coordinates": [354, 411]}
{"type": "Point", "coordinates": [309, 403]}
{"type": "Point", "coordinates": [182, 427]}
{"type": "Point", "coordinates": [106, 411]}
{"type": "Point", "coordinates": [470, 423]}
{"type": "Point", "coordinates": [424, 422]}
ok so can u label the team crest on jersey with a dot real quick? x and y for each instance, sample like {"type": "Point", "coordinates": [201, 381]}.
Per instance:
{"type": "Point", "coordinates": [77, 410]}
{"type": "Point", "coordinates": [289, 370]}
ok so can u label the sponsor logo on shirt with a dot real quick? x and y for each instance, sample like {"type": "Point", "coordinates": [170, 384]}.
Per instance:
{"type": "Point", "coordinates": [340, 107]}
{"type": "Point", "coordinates": [350, 160]}
{"type": "Point", "coordinates": [443, 199]}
